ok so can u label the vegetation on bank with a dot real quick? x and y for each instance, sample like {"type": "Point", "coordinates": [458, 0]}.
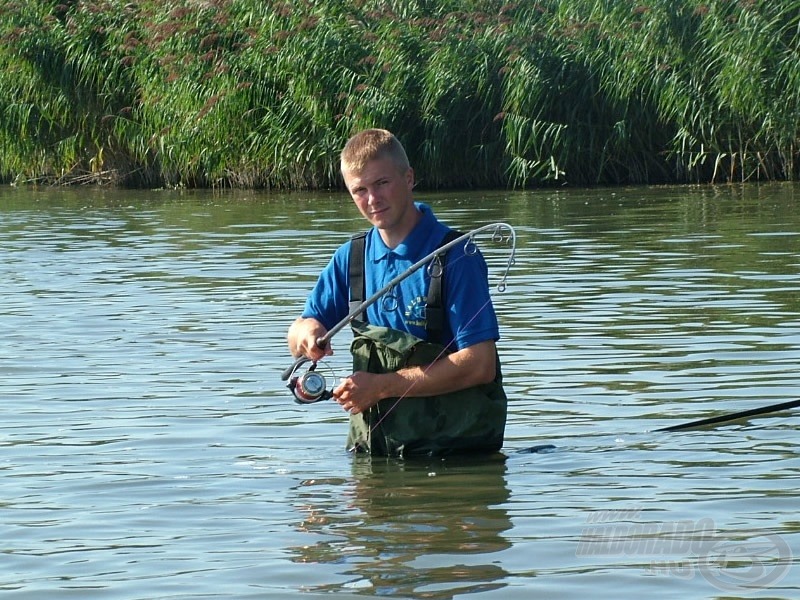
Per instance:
{"type": "Point", "coordinates": [254, 93]}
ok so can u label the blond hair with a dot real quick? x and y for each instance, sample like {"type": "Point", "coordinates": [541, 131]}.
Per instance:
{"type": "Point", "coordinates": [372, 144]}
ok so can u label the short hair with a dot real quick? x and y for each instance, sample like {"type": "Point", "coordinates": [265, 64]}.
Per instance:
{"type": "Point", "coordinates": [372, 144]}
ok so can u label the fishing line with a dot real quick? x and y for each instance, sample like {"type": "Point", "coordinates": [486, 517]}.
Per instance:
{"type": "Point", "coordinates": [312, 384]}
{"type": "Point", "coordinates": [424, 371]}
{"type": "Point", "coordinates": [473, 250]}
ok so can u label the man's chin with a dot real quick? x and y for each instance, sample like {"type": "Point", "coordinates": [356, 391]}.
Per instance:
{"type": "Point", "coordinates": [380, 222]}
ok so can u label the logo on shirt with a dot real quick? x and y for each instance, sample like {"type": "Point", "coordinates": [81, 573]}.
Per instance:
{"type": "Point", "coordinates": [415, 312]}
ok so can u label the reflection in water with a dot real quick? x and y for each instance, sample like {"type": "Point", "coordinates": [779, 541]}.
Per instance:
{"type": "Point", "coordinates": [413, 529]}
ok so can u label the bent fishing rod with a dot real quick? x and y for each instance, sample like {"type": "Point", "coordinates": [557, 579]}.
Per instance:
{"type": "Point", "coordinates": [311, 387]}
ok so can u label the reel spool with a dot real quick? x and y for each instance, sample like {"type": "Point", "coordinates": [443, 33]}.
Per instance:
{"type": "Point", "coordinates": [309, 387]}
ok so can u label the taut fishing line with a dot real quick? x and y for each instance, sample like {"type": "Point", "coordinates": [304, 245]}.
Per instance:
{"type": "Point", "coordinates": [425, 370]}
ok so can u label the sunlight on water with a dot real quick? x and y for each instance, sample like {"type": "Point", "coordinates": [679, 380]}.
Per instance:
{"type": "Point", "coordinates": [150, 450]}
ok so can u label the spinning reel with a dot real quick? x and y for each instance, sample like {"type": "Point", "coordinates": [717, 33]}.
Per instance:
{"type": "Point", "coordinates": [309, 387]}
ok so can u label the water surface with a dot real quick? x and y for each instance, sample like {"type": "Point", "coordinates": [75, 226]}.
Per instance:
{"type": "Point", "coordinates": [150, 450]}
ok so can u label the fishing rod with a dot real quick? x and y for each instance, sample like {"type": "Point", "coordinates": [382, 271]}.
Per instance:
{"type": "Point", "coordinates": [311, 387]}
{"type": "Point", "coordinates": [753, 412]}
{"type": "Point", "coordinates": [733, 416]}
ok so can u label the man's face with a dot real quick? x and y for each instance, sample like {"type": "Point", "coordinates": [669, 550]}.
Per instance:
{"type": "Point", "coordinates": [383, 194]}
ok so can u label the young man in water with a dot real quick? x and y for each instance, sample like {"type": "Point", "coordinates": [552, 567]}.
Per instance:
{"type": "Point", "coordinates": [408, 395]}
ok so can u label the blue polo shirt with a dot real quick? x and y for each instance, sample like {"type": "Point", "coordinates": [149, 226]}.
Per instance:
{"type": "Point", "coordinates": [470, 316]}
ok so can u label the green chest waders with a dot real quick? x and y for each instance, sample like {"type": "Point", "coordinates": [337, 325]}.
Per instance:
{"type": "Point", "coordinates": [468, 421]}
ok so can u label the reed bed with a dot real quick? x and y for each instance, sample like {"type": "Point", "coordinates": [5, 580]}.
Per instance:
{"type": "Point", "coordinates": [263, 94]}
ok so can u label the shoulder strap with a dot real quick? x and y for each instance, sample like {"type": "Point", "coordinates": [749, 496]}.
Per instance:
{"type": "Point", "coordinates": [434, 312]}
{"type": "Point", "coordinates": [356, 271]}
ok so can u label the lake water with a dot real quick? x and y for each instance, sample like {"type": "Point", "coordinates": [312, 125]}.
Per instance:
{"type": "Point", "coordinates": [149, 449]}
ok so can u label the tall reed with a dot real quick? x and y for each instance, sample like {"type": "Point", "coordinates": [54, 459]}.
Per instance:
{"type": "Point", "coordinates": [252, 93]}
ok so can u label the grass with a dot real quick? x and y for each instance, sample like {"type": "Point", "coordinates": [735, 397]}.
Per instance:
{"type": "Point", "coordinates": [245, 93]}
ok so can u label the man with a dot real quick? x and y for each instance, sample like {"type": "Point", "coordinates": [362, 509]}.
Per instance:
{"type": "Point", "coordinates": [408, 395]}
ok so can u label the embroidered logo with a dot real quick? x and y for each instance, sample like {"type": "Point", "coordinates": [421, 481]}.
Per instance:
{"type": "Point", "coordinates": [415, 312]}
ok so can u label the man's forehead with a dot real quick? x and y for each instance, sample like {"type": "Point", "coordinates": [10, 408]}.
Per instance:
{"type": "Point", "coordinates": [372, 172]}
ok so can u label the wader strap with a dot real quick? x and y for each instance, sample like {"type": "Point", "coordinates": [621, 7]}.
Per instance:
{"type": "Point", "coordinates": [356, 272]}
{"type": "Point", "coordinates": [434, 310]}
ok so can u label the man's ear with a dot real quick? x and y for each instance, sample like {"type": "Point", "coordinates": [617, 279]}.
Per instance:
{"type": "Point", "coordinates": [410, 181]}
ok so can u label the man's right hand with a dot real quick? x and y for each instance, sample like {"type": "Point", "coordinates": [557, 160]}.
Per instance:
{"type": "Point", "coordinates": [302, 338]}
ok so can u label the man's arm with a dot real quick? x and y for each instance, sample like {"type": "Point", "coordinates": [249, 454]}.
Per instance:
{"type": "Point", "coordinates": [457, 371]}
